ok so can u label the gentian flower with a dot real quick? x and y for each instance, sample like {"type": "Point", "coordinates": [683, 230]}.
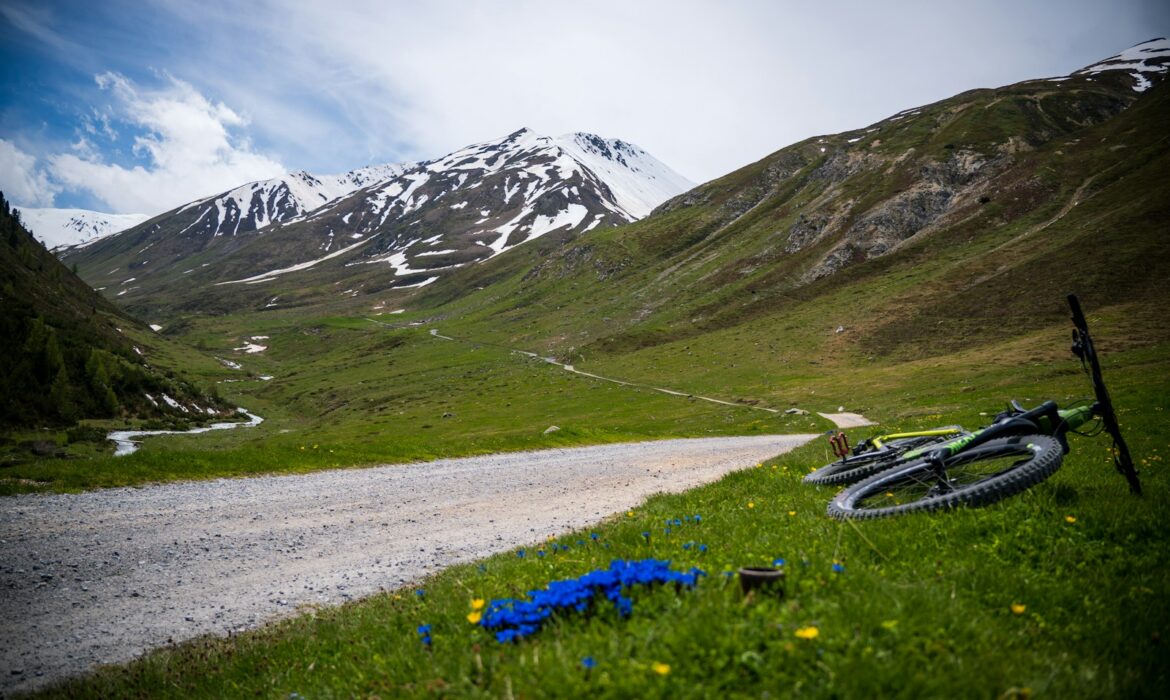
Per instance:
{"type": "Point", "coordinates": [838, 567]}
{"type": "Point", "coordinates": [513, 619]}
{"type": "Point", "coordinates": [588, 662]}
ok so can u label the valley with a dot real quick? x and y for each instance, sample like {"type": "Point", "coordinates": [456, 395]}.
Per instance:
{"type": "Point", "coordinates": [558, 305]}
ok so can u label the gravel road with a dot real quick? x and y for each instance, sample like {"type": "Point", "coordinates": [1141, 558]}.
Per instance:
{"type": "Point", "coordinates": [101, 577]}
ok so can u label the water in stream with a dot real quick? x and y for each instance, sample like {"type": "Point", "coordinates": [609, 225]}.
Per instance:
{"type": "Point", "coordinates": [126, 444]}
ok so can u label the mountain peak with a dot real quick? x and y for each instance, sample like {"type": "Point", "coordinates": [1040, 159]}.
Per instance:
{"type": "Point", "coordinates": [1149, 59]}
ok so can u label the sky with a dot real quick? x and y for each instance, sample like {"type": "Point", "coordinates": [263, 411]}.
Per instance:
{"type": "Point", "coordinates": [138, 106]}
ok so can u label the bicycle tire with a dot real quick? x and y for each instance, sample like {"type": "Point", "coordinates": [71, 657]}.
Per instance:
{"type": "Point", "coordinates": [1015, 464]}
{"type": "Point", "coordinates": [857, 467]}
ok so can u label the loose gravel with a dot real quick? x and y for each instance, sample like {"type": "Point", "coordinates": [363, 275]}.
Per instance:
{"type": "Point", "coordinates": [101, 577]}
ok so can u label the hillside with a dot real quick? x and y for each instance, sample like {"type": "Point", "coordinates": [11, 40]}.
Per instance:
{"type": "Point", "coordinates": [957, 222]}
{"type": "Point", "coordinates": [68, 352]}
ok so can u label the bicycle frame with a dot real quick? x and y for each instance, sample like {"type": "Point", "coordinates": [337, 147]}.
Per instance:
{"type": "Point", "coordinates": [880, 441]}
{"type": "Point", "coordinates": [1045, 419]}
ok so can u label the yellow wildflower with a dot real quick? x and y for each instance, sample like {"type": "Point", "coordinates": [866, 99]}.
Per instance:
{"type": "Point", "coordinates": [791, 512]}
{"type": "Point", "coordinates": [809, 632]}
{"type": "Point", "coordinates": [1019, 608]}
{"type": "Point", "coordinates": [477, 603]}
{"type": "Point", "coordinates": [661, 668]}
{"type": "Point", "coordinates": [474, 617]}
{"type": "Point", "coordinates": [1070, 519]}
{"type": "Point", "coordinates": [751, 505]}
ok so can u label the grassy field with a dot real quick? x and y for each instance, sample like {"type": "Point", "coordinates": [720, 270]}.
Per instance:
{"type": "Point", "coordinates": [1055, 593]}
{"type": "Point", "coordinates": [348, 392]}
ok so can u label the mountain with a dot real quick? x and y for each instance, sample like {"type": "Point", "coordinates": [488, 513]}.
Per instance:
{"type": "Point", "coordinates": [284, 199]}
{"type": "Point", "coordinates": [68, 353]}
{"type": "Point", "coordinates": [393, 227]}
{"type": "Point", "coordinates": [966, 220]}
{"type": "Point", "coordinates": [62, 228]}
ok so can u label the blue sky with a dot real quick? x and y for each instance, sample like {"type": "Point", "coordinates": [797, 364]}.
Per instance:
{"type": "Point", "coordinates": [139, 106]}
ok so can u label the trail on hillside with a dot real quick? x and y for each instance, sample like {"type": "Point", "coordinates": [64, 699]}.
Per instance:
{"type": "Point", "coordinates": [103, 576]}
{"type": "Point", "coordinates": [841, 420]}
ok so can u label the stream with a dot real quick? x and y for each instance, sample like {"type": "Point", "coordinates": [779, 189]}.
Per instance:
{"type": "Point", "coordinates": [126, 444]}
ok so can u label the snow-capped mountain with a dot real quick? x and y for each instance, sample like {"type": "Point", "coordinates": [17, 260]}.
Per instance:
{"type": "Point", "coordinates": [403, 224]}
{"type": "Point", "coordinates": [1143, 62]}
{"type": "Point", "coordinates": [256, 205]}
{"type": "Point", "coordinates": [60, 228]}
{"type": "Point", "coordinates": [482, 200]}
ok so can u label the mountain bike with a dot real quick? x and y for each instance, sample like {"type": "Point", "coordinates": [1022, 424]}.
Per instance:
{"type": "Point", "coordinates": [1019, 450]}
{"type": "Point", "coordinates": [877, 453]}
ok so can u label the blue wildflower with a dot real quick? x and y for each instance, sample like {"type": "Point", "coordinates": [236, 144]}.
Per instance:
{"type": "Point", "coordinates": [540, 552]}
{"type": "Point", "coordinates": [424, 634]}
{"type": "Point", "coordinates": [420, 592]}
{"type": "Point", "coordinates": [666, 530]}
{"type": "Point", "coordinates": [698, 518]}
{"type": "Point", "coordinates": [580, 543]}
{"type": "Point", "coordinates": [688, 545]}
{"type": "Point", "coordinates": [513, 619]}
{"type": "Point", "coordinates": [729, 574]}
{"type": "Point", "coordinates": [588, 662]}
{"type": "Point", "coordinates": [687, 518]}
{"type": "Point", "coordinates": [703, 548]}
{"type": "Point", "coordinates": [838, 567]}
{"type": "Point", "coordinates": [521, 553]}
{"type": "Point", "coordinates": [594, 536]}
{"type": "Point", "coordinates": [777, 562]}
{"type": "Point", "coordinates": [677, 522]}
{"type": "Point", "coordinates": [646, 534]}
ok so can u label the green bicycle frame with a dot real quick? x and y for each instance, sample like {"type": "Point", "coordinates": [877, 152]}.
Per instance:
{"type": "Point", "coordinates": [1038, 420]}
{"type": "Point", "coordinates": [880, 441]}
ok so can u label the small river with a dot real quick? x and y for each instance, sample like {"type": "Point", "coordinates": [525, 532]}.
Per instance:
{"type": "Point", "coordinates": [126, 444]}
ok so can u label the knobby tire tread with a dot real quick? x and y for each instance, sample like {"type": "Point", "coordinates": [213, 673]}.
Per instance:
{"type": "Point", "coordinates": [1020, 477]}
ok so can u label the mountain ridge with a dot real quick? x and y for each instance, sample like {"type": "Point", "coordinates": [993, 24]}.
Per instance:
{"type": "Point", "coordinates": [416, 223]}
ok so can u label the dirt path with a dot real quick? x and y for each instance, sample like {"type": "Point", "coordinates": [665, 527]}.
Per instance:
{"type": "Point", "coordinates": [101, 577]}
{"type": "Point", "coordinates": [847, 420]}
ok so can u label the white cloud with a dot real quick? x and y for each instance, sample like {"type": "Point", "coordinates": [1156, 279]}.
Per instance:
{"type": "Point", "coordinates": [21, 181]}
{"type": "Point", "coordinates": [186, 142]}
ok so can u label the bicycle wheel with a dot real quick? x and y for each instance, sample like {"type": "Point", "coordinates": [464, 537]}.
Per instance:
{"type": "Point", "coordinates": [857, 467]}
{"type": "Point", "coordinates": [977, 477]}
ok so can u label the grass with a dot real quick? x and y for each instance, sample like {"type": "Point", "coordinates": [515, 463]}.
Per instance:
{"type": "Point", "coordinates": [1057, 592]}
{"type": "Point", "coordinates": [350, 393]}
